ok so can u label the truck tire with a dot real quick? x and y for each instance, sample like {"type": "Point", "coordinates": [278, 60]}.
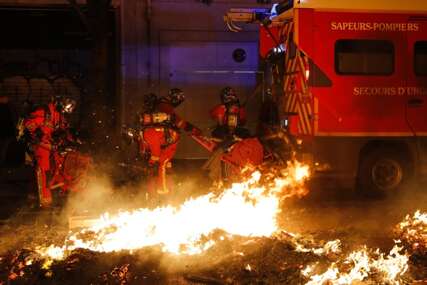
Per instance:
{"type": "Point", "coordinates": [383, 172]}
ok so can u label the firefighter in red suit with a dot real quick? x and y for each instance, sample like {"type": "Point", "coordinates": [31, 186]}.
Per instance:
{"type": "Point", "coordinates": [42, 125]}
{"type": "Point", "coordinates": [230, 116]}
{"type": "Point", "coordinates": [161, 133]}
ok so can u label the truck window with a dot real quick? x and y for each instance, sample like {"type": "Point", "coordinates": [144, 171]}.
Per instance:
{"type": "Point", "coordinates": [364, 57]}
{"type": "Point", "coordinates": [420, 58]}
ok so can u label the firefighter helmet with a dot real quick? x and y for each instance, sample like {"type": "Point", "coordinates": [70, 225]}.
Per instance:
{"type": "Point", "coordinates": [149, 102]}
{"type": "Point", "coordinates": [175, 97]}
{"type": "Point", "coordinates": [228, 95]}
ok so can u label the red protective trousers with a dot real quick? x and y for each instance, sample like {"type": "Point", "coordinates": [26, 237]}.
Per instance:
{"type": "Point", "coordinates": [161, 143]}
{"type": "Point", "coordinates": [42, 156]}
{"type": "Point", "coordinates": [41, 124]}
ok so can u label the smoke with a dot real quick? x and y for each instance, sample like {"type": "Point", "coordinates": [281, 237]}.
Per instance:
{"type": "Point", "coordinates": [111, 189]}
{"type": "Point", "coordinates": [332, 212]}
{"type": "Point", "coordinates": [96, 197]}
{"type": "Point", "coordinates": [326, 214]}
{"type": "Point", "coordinates": [104, 192]}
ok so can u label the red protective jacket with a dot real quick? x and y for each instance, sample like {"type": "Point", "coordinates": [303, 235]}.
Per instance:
{"type": "Point", "coordinates": [42, 123]}
{"type": "Point", "coordinates": [232, 116]}
{"type": "Point", "coordinates": [161, 141]}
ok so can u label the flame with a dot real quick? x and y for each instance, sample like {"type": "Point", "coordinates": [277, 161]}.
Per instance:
{"type": "Point", "coordinates": [363, 264]}
{"type": "Point", "coordinates": [245, 209]}
{"type": "Point", "coordinates": [331, 247]}
{"type": "Point", "coordinates": [389, 267]}
{"type": "Point", "coordinates": [413, 231]}
{"type": "Point", "coordinates": [301, 172]}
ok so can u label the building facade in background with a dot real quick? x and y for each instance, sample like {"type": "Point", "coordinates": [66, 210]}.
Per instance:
{"type": "Point", "coordinates": [154, 45]}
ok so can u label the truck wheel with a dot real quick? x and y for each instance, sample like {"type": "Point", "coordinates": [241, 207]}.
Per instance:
{"type": "Point", "coordinates": [383, 172]}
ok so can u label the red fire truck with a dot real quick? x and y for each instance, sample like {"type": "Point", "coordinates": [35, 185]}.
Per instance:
{"type": "Point", "coordinates": [354, 73]}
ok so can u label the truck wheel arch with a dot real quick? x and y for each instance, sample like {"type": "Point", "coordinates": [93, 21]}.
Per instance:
{"type": "Point", "coordinates": [384, 167]}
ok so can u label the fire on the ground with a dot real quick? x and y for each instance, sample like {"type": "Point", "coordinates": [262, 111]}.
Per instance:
{"type": "Point", "coordinates": [248, 209]}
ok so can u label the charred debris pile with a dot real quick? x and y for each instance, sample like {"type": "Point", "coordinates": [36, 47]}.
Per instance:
{"type": "Point", "coordinates": [282, 259]}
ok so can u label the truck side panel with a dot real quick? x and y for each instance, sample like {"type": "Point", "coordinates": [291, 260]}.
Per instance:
{"type": "Point", "coordinates": [365, 103]}
{"type": "Point", "coordinates": [416, 107]}
{"type": "Point", "coordinates": [373, 99]}
{"type": "Point", "coordinates": [416, 104]}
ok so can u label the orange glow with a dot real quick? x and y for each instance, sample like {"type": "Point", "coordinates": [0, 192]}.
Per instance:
{"type": "Point", "coordinates": [359, 265]}
{"type": "Point", "coordinates": [246, 209]}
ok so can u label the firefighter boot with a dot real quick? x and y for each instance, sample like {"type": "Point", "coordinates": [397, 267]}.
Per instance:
{"type": "Point", "coordinates": [45, 196]}
{"type": "Point", "coordinates": [162, 187]}
{"type": "Point", "coordinates": [152, 183]}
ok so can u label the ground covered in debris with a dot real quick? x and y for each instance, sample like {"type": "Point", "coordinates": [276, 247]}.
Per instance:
{"type": "Point", "coordinates": [269, 261]}
{"type": "Point", "coordinates": [326, 238]}
{"type": "Point", "coordinates": [281, 259]}
{"type": "Point", "coordinates": [245, 261]}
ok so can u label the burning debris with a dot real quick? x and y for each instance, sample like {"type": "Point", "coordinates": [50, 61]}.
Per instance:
{"type": "Point", "coordinates": [366, 264]}
{"type": "Point", "coordinates": [227, 238]}
{"type": "Point", "coordinates": [413, 232]}
{"type": "Point", "coordinates": [245, 209]}
{"type": "Point", "coordinates": [362, 265]}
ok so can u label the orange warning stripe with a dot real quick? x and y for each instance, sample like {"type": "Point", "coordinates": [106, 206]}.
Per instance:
{"type": "Point", "coordinates": [287, 88]}
{"type": "Point", "coordinates": [292, 107]}
{"type": "Point", "coordinates": [306, 118]}
{"type": "Point", "coordinates": [305, 92]}
{"type": "Point", "coordinates": [315, 118]}
{"type": "Point", "coordinates": [295, 85]}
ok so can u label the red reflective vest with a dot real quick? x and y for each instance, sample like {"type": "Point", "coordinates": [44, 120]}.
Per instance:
{"type": "Point", "coordinates": [43, 122]}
